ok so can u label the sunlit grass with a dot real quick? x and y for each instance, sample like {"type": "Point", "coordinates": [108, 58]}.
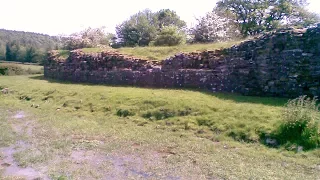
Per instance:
{"type": "Point", "coordinates": [215, 132]}
{"type": "Point", "coordinates": [16, 68]}
{"type": "Point", "coordinates": [158, 53]}
{"type": "Point", "coordinates": [161, 53]}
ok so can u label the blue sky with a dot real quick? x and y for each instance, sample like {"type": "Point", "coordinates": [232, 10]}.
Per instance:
{"type": "Point", "coordinates": [67, 16]}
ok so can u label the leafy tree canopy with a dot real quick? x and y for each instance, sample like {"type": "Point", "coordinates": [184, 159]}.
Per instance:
{"type": "Point", "coordinates": [17, 45]}
{"type": "Point", "coordinates": [143, 27]}
{"type": "Point", "coordinates": [88, 38]}
{"type": "Point", "coordinates": [256, 16]}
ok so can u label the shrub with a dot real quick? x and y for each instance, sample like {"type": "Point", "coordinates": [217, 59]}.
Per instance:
{"type": "Point", "coordinates": [170, 36]}
{"type": "Point", "coordinates": [214, 28]}
{"type": "Point", "coordinates": [124, 113]}
{"type": "Point", "coordinates": [11, 69]}
{"type": "Point", "coordinates": [300, 123]}
{"type": "Point", "coordinates": [88, 38]}
{"type": "Point", "coordinates": [159, 114]}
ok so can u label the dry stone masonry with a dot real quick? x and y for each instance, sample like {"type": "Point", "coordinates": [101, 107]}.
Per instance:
{"type": "Point", "coordinates": [284, 63]}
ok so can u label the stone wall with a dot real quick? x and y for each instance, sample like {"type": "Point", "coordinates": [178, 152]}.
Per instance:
{"type": "Point", "coordinates": [285, 63]}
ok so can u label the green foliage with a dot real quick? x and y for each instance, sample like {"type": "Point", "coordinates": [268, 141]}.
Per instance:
{"type": "Point", "coordinates": [300, 124]}
{"type": "Point", "coordinates": [164, 113]}
{"type": "Point", "coordinates": [124, 113]}
{"type": "Point", "coordinates": [170, 36]}
{"type": "Point", "coordinates": [19, 69]}
{"type": "Point", "coordinates": [8, 52]}
{"type": "Point", "coordinates": [303, 18]}
{"type": "Point", "coordinates": [139, 30]}
{"type": "Point", "coordinates": [88, 38]}
{"type": "Point", "coordinates": [143, 27]}
{"type": "Point", "coordinates": [28, 39]}
{"type": "Point", "coordinates": [254, 17]}
{"type": "Point", "coordinates": [13, 51]}
{"type": "Point", "coordinates": [30, 55]}
{"type": "Point", "coordinates": [108, 39]}
{"type": "Point", "coordinates": [10, 69]}
{"type": "Point", "coordinates": [24, 46]}
{"type": "Point", "coordinates": [159, 114]}
{"type": "Point", "coordinates": [213, 27]}
{"type": "Point", "coordinates": [248, 14]}
{"type": "Point", "coordinates": [167, 17]}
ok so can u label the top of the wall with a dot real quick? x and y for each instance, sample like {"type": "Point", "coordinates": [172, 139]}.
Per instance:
{"type": "Point", "coordinates": [269, 44]}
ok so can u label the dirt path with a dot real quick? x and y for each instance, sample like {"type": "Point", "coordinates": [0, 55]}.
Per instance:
{"type": "Point", "coordinates": [11, 168]}
{"type": "Point", "coordinates": [82, 163]}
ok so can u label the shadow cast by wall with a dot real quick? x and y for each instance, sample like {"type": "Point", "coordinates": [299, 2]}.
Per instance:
{"type": "Point", "coordinates": [238, 98]}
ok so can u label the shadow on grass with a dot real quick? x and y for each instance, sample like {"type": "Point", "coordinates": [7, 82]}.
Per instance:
{"type": "Point", "coordinates": [270, 101]}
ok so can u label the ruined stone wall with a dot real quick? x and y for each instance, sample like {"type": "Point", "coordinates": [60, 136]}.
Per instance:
{"type": "Point", "coordinates": [284, 63]}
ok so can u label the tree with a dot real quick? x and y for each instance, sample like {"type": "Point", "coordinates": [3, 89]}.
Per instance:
{"type": "Point", "coordinates": [139, 30]}
{"type": "Point", "coordinates": [142, 28]}
{"type": "Point", "coordinates": [8, 52]}
{"type": "Point", "coordinates": [15, 51]}
{"type": "Point", "coordinates": [248, 14]}
{"type": "Point", "coordinates": [108, 39]}
{"type": "Point", "coordinates": [30, 55]}
{"type": "Point", "coordinates": [302, 18]}
{"type": "Point", "coordinates": [214, 27]}
{"type": "Point", "coordinates": [90, 37]}
{"type": "Point", "coordinates": [2, 51]}
{"type": "Point", "coordinates": [256, 16]}
{"type": "Point", "coordinates": [14, 44]}
{"type": "Point", "coordinates": [167, 17]}
{"type": "Point", "coordinates": [170, 36]}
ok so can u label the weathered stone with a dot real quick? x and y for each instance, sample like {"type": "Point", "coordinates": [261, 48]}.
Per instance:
{"type": "Point", "coordinates": [284, 63]}
{"type": "Point", "coordinates": [5, 91]}
{"type": "Point", "coordinates": [271, 142]}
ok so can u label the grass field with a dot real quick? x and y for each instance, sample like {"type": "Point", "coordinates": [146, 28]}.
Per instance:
{"type": "Point", "coordinates": [158, 53]}
{"type": "Point", "coordinates": [16, 68]}
{"type": "Point", "coordinates": [138, 133]}
{"type": "Point", "coordinates": [161, 53]}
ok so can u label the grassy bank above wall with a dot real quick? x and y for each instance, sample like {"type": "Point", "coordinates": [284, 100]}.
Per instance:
{"type": "Point", "coordinates": [161, 53]}
{"type": "Point", "coordinates": [157, 53]}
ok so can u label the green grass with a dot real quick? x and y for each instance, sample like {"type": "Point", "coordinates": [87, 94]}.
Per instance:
{"type": "Point", "coordinates": [201, 134]}
{"type": "Point", "coordinates": [7, 136]}
{"type": "Point", "coordinates": [161, 53]}
{"type": "Point", "coordinates": [14, 68]}
{"type": "Point", "coordinates": [64, 53]}
{"type": "Point", "coordinates": [94, 50]}
{"type": "Point", "coordinates": [157, 53]}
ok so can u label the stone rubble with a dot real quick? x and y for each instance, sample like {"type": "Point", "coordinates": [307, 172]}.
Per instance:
{"type": "Point", "coordinates": [284, 63]}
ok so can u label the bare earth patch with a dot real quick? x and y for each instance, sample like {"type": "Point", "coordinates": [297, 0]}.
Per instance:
{"type": "Point", "coordinates": [87, 163]}
{"type": "Point", "coordinates": [11, 167]}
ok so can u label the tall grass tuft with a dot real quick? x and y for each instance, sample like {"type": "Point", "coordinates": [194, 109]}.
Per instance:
{"type": "Point", "coordinates": [300, 125]}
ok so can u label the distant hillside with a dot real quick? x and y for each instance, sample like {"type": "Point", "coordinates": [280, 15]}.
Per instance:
{"type": "Point", "coordinates": [21, 42]}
